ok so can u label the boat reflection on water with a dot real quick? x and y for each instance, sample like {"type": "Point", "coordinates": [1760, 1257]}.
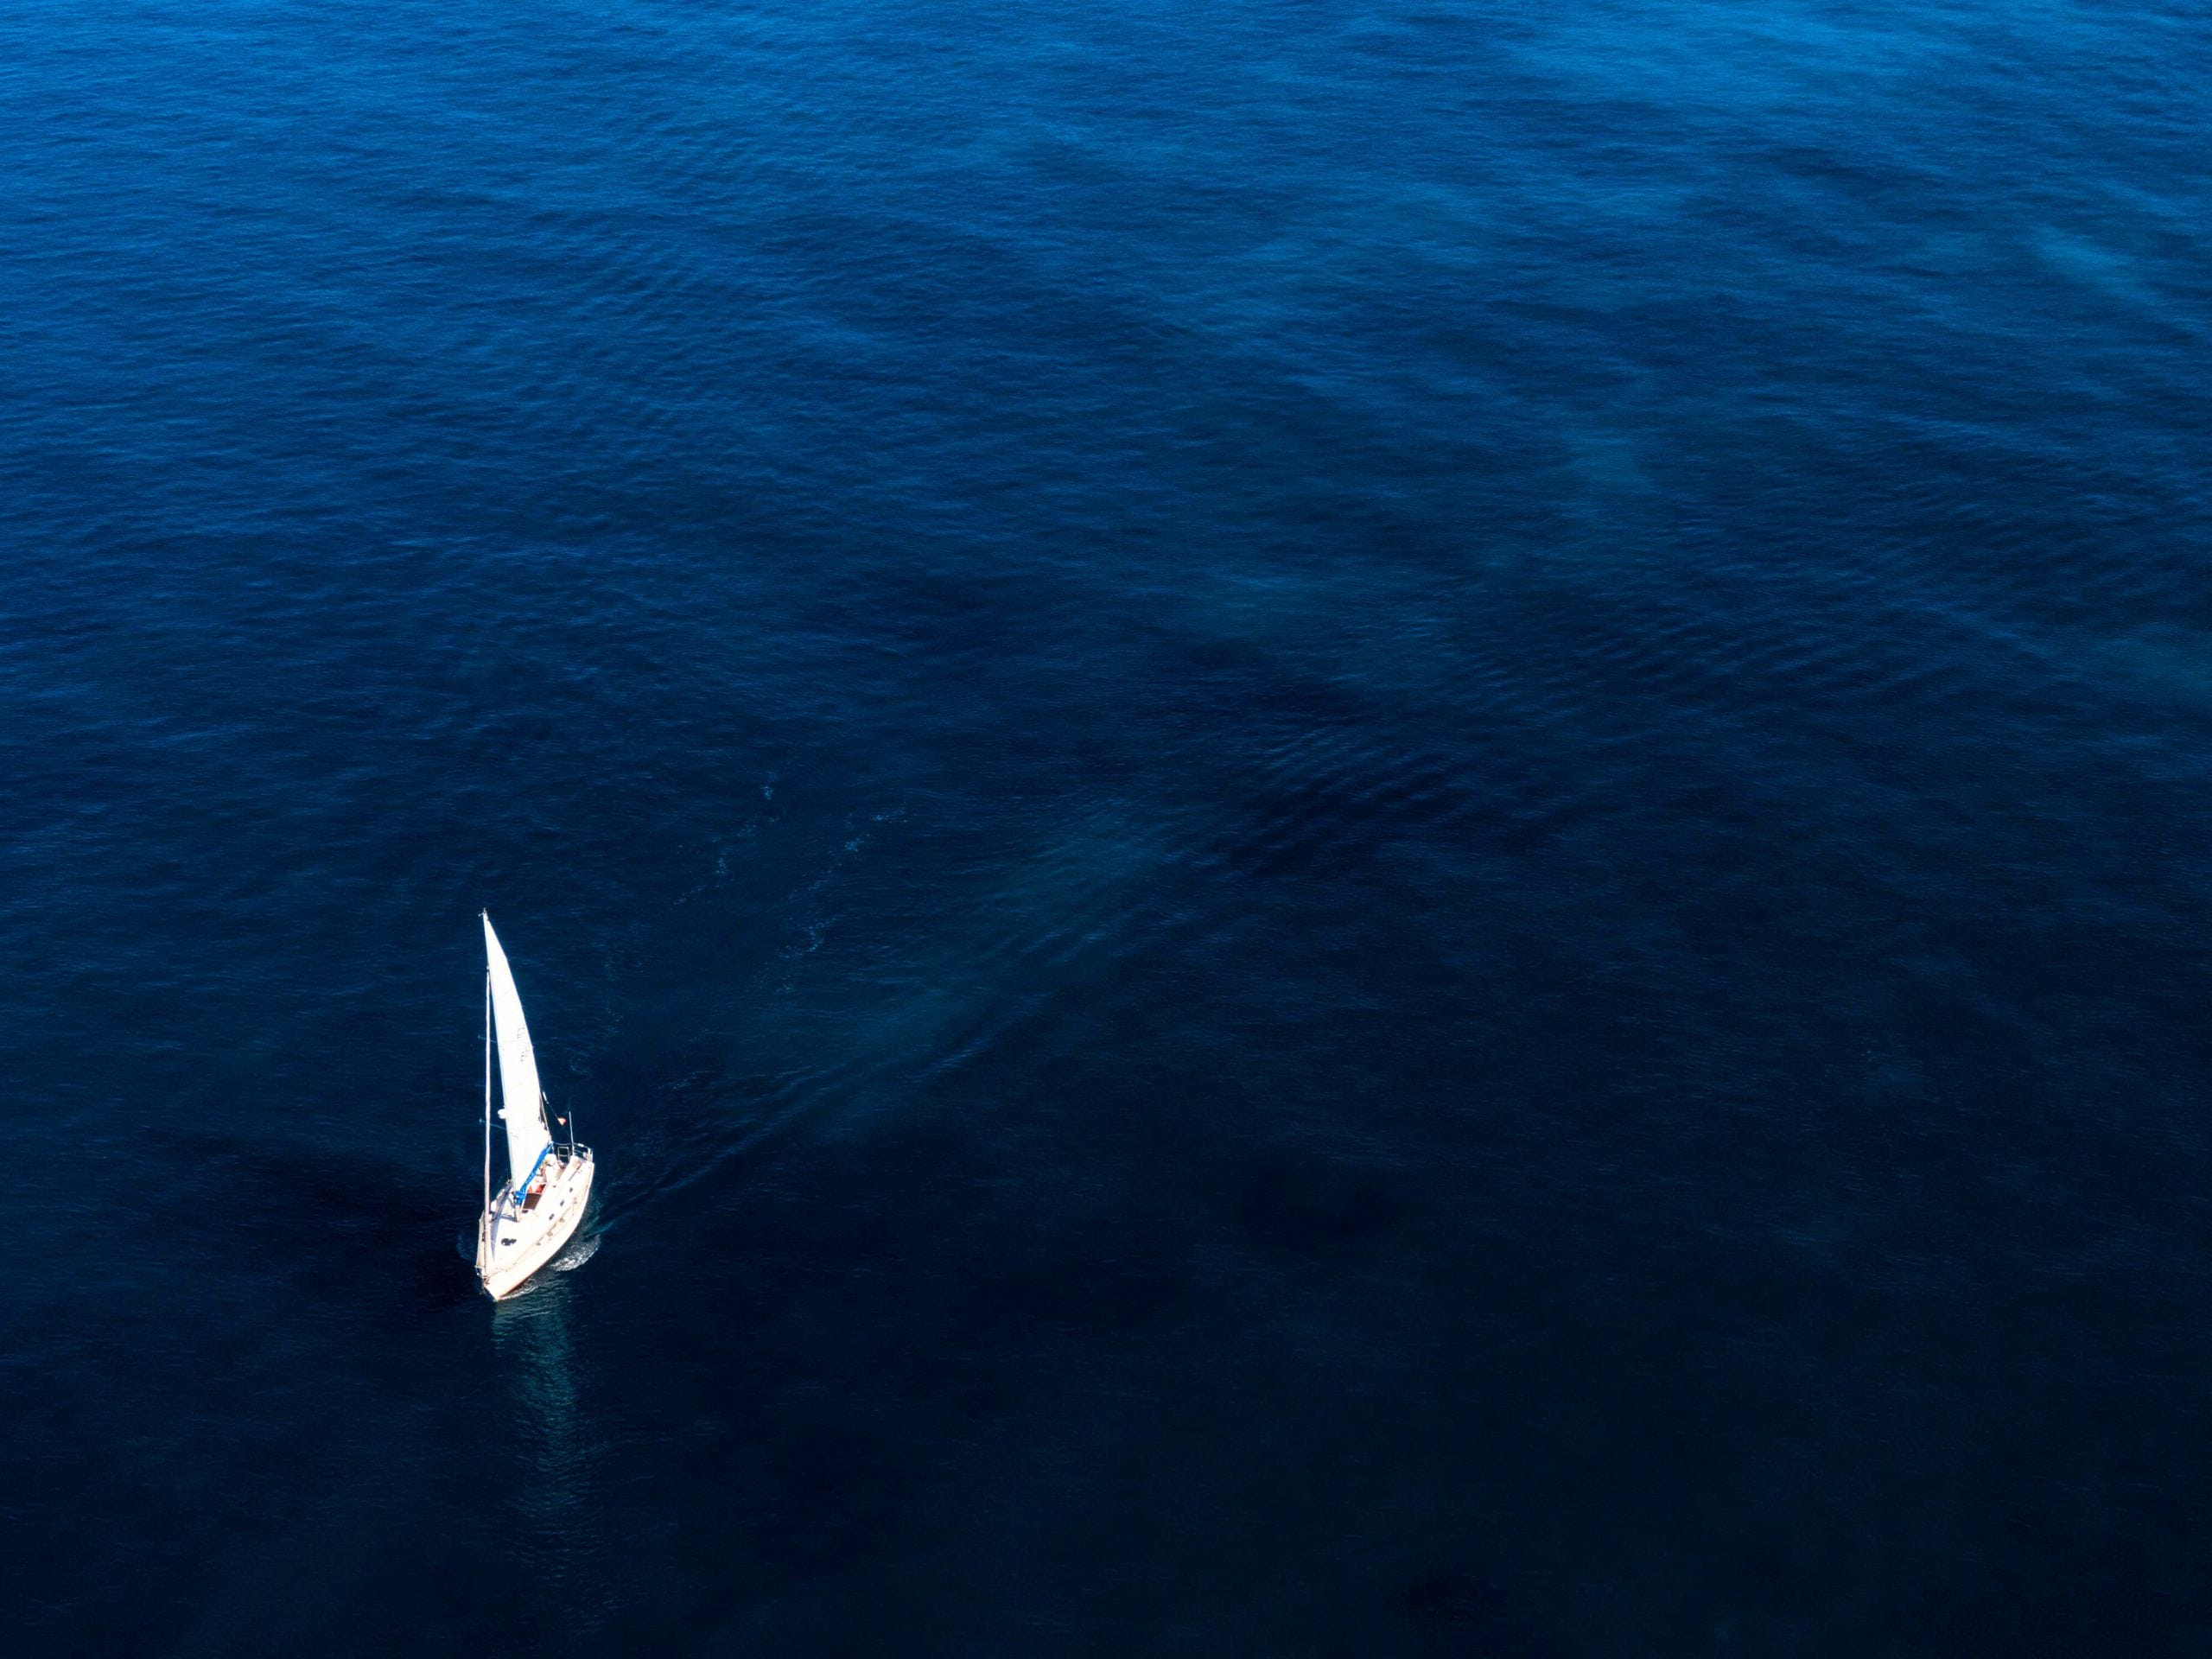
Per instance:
{"type": "Point", "coordinates": [555, 1445]}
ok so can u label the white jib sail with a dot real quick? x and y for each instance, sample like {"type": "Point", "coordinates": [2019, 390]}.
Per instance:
{"type": "Point", "coordinates": [524, 1110]}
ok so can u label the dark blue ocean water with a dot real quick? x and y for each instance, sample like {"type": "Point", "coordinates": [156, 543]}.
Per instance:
{"type": "Point", "coordinates": [1358, 830]}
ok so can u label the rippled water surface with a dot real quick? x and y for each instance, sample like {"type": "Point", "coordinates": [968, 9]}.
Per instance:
{"type": "Point", "coordinates": [1358, 830]}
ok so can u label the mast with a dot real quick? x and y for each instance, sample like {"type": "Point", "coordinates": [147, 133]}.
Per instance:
{"type": "Point", "coordinates": [488, 1105]}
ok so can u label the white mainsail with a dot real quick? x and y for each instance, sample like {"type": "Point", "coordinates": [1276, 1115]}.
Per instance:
{"type": "Point", "coordinates": [525, 1111]}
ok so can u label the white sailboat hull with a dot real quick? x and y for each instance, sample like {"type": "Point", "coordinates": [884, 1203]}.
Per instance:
{"type": "Point", "coordinates": [514, 1239]}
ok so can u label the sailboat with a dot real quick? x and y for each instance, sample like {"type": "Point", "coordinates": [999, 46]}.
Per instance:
{"type": "Point", "coordinates": [532, 1216]}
